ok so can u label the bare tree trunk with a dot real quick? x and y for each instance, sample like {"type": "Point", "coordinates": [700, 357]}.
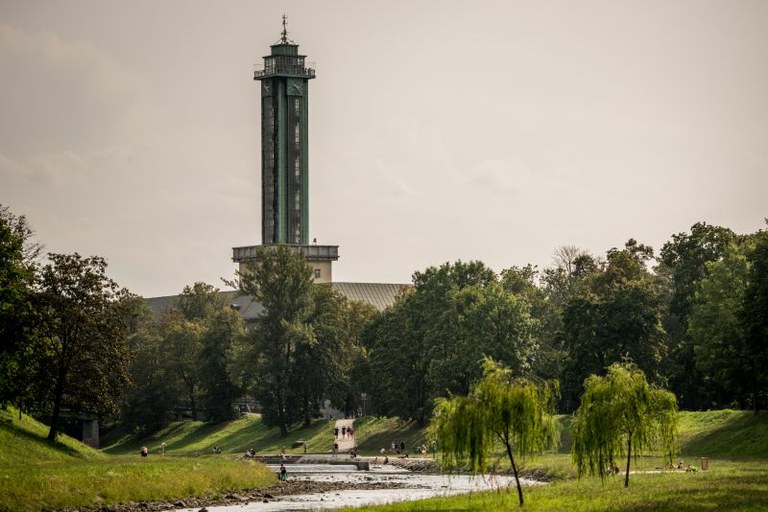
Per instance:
{"type": "Point", "coordinates": [754, 400]}
{"type": "Point", "coordinates": [192, 403]}
{"type": "Point", "coordinates": [57, 397]}
{"type": "Point", "coordinates": [281, 413]}
{"type": "Point", "coordinates": [514, 469]}
{"type": "Point", "coordinates": [629, 458]}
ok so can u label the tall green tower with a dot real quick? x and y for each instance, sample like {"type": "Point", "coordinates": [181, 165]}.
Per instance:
{"type": "Point", "coordinates": [284, 160]}
{"type": "Point", "coordinates": [284, 136]}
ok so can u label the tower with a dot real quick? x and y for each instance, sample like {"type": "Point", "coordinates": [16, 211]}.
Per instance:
{"type": "Point", "coordinates": [284, 82]}
{"type": "Point", "coordinates": [284, 136]}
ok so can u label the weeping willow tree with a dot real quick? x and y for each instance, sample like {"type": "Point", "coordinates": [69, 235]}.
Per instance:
{"type": "Point", "coordinates": [621, 414]}
{"type": "Point", "coordinates": [501, 408]}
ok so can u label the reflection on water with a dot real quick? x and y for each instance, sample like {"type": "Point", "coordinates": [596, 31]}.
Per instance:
{"type": "Point", "coordinates": [418, 487]}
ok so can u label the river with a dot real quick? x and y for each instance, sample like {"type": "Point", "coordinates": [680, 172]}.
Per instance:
{"type": "Point", "coordinates": [411, 486]}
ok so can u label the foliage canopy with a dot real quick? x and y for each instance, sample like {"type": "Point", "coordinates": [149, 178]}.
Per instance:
{"type": "Point", "coordinates": [502, 407]}
{"type": "Point", "coordinates": [618, 413]}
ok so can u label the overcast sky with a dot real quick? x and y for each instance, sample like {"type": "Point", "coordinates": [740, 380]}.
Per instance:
{"type": "Point", "coordinates": [444, 130]}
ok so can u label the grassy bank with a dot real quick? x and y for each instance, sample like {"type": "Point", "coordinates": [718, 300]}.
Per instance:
{"type": "Point", "coordinates": [735, 442]}
{"type": "Point", "coordinates": [36, 474]}
{"type": "Point", "coordinates": [195, 438]}
{"type": "Point", "coordinates": [94, 483]}
{"type": "Point", "coordinates": [733, 486]}
{"type": "Point", "coordinates": [23, 440]}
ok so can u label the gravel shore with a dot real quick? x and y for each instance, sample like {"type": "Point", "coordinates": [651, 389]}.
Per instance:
{"type": "Point", "coordinates": [285, 488]}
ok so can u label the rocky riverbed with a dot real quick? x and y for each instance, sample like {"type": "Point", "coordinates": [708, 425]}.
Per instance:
{"type": "Point", "coordinates": [327, 486]}
{"type": "Point", "coordinates": [281, 489]}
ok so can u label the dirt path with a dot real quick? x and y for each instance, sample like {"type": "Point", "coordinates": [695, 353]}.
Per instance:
{"type": "Point", "coordinates": [346, 442]}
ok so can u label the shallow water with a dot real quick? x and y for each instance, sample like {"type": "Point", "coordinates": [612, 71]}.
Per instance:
{"type": "Point", "coordinates": [418, 487]}
{"type": "Point", "coordinates": [315, 468]}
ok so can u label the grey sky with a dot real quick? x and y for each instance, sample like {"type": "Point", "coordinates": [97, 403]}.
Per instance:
{"type": "Point", "coordinates": [491, 130]}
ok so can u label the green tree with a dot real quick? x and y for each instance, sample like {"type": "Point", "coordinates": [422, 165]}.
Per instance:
{"type": "Point", "coordinates": [201, 301]}
{"type": "Point", "coordinates": [755, 319]}
{"type": "Point", "coordinates": [218, 392]}
{"type": "Point", "coordinates": [202, 342]}
{"type": "Point", "coordinates": [546, 319]}
{"type": "Point", "coordinates": [152, 398]}
{"type": "Point", "coordinates": [715, 326]}
{"type": "Point", "coordinates": [184, 358]}
{"type": "Point", "coordinates": [621, 411]}
{"type": "Point", "coordinates": [398, 365]}
{"type": "Point", "coordinates": [359, 317]}
{"type": "Point", "coordinates": [683, 263]}
{"type": "Point", "coordinates": [502, 407]}
{"type": "Point", "coordinates": [430, 342]}
{"type": "Point", "coordinates": [281, 281]}
{"type": "Point", "coordinates": [327, 363]}
{"type": "Point", "coordinates": [182, 346]}
{"type": "Point", "coordinates": [86, 329]}
{"type": "Point", "coordinates": [617, 316]}
{"type": "Point", "coordinates": [479, 322]}
{"type": "Point", "coordinates": [20, 370]}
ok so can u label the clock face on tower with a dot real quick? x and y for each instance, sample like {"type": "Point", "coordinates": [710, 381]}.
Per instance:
{"type": "Point", "coordinates": [266, 89]}
{"type": "Point", "coordinates": [295, 88]}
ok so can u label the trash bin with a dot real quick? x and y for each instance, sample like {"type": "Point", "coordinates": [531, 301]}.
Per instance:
{"type": "Point", "coordinates": [704, 463]}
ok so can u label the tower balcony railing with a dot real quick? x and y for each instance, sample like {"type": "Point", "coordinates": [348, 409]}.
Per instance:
{"type": "Point", "coordinates": [284, 70]}
{"type": "Point", "coordinates": [311, 252]}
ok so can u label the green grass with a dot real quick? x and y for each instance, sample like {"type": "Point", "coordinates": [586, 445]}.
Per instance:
{"type": "Point", "coordinates": [724, 434]}
{"type": "Point", "coordinates": [730, 485]}
{"type": "Point", "coordinates": [93, 483]}
{"type": "Point", "coordinates": [372, 434]}
{"type": "Point", "coordinates": [24, 440]}
{"type": "Point", "coordinates": [736, 443]}
{"type": "Point", "coordinates": [36, 474]}
{"type": "Point", "coordinates": [195, 438]}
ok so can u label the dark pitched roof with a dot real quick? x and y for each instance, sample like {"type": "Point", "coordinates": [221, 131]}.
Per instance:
{"type": "Point", "coordinates": [378, 295]}
{"type": "Point", "coordinates": [245, 304]}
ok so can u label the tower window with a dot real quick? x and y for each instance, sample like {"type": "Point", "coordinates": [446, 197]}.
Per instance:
{"type": "Point", "coordinates": [317, 273]}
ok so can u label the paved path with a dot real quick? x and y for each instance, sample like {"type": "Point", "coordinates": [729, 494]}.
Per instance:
{"type": "Point", "coordinates": [347, 442]}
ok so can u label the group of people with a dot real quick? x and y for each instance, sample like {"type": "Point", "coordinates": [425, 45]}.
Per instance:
{"type": "Point", "coordinates": [345, 431]}
{"type": "Point", "coordinates": [396, 447]}
{"type": "Point", "coordinates": [690, 468]}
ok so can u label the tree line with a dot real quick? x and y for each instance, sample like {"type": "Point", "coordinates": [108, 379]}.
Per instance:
{"type": "Point", "coordinates": [693, 319]}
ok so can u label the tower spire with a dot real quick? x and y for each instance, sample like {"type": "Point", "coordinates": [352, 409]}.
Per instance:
{"type": "Point", "coordinates": [284, 33]}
